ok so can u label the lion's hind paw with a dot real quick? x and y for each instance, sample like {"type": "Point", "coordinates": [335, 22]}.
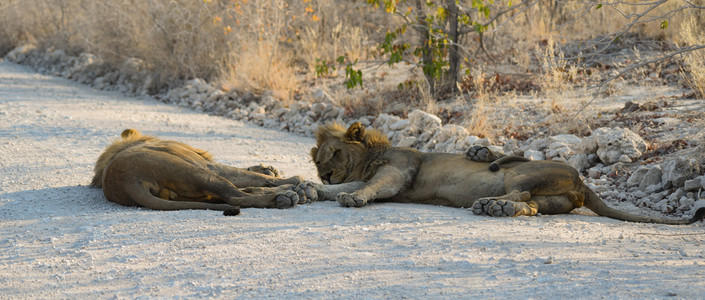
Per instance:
{"type": "Point", "coordinates": [350, 200]}
{"type": "Point", "coordinates": [478, 207]}
{"type": "Point", "coordinates": [495, 208]}
{"type": "Point", "coordinates": [266, 170]}
{"type": "Point", "coordinates": [287, 199]}
{"type": "Point", "coordinates": [481, 154]}
{"type": "Point", "coordinates": [307, 192]}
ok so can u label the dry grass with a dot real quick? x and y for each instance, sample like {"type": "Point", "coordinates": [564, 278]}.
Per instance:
{"type": "Point", "coordinates": [256, 45]}
{"type": "Point", "coordinates": [692, 33]}
{"type": "Point", "coordinates": [477, 122]}
{"type": "Point", "coordinates": [275, 45]}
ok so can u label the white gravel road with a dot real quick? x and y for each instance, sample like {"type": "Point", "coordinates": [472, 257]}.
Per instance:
{"type": "Point", "coordinates": [61, 239]}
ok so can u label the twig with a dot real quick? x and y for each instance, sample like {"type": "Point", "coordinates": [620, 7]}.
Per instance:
{"type": "Point", "coordinates": [634, 66]}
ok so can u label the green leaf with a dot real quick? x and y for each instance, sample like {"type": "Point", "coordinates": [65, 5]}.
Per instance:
{"type": "Point", "coordinates": [599, 6]}
{"type": "Point", "coordinates": [353, 77]}
{"type": "Point", "coordinates": [664, 25]}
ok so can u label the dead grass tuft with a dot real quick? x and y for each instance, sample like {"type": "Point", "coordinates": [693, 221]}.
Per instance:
{"type": "Point", "coordinates": [693, 33]}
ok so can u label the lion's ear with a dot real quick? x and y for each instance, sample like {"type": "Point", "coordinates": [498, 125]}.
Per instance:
{"type": "Point", "coordinates": [355, 133]}
{"type": "Point", "coordinates": [130, 133]}
{"type": "Point", "coordinates": [314, 152]}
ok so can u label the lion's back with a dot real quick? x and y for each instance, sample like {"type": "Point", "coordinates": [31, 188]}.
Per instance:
{"type": "Point", "coordinates": [442, 177]}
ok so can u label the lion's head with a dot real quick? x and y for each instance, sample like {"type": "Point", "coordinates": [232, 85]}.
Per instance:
{"type": "Point", "coordinates": [129, 137]}
{"type": "Point", "coordinates": [346, 155]}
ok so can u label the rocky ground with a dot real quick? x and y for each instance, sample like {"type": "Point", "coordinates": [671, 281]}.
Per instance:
{"type": "Point", "coordinates": [60, 238]}
{"type": "Point", "coordinates": [660, 166]}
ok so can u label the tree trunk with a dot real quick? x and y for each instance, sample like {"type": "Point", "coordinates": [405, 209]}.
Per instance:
{"type": "Point", "coordinates": [427, 54]}
{"type": "Point", "coordinates": [454, 51]}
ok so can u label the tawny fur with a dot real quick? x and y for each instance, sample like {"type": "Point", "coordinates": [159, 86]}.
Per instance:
{"type": "Point", "coordinates": [141, 170]}
{"type": "Point", "coordinates": [359, 166]}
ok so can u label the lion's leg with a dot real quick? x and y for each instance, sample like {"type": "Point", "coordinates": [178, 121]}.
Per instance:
{"type": "Point", "coordinates": [559, 204]}
{"type": "Point", "coordinates": [484, 154]}
{"type": "Point", "coordinates": [283, 196]}
{"type": "Point", "coordinates": [209, 186]}
{"type": "Point", "coordinates": [510, 205]}
{"type": "Point", "coordinates": [246, 178]}
{"type": "Point", "coordinates": [387, 182]}
{"type": "Point", "coordinates": [551, 184]}
{"type": "Point", "coordinates": [513, 206]}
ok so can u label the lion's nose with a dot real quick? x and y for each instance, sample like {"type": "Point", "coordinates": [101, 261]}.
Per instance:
{"type": "Point", "coordinates": [325, 178]}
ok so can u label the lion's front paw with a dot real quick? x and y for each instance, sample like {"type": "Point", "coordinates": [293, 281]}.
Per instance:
{"type": "Point", "coordinates": [266, 170]}
{"type": "Point", "coordinates": [307, 192]}
{"type": "Point", "coordinates": [287, 199]}
{"type": "Point", "coordinates": [351, 200]}
{"type": "Point", "coordinates": [481, 154]}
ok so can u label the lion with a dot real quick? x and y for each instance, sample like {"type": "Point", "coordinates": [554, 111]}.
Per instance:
{"type": "Point", "coordinates": [358, 166]}
{"type": "Point", "coordinates": [141, 170]}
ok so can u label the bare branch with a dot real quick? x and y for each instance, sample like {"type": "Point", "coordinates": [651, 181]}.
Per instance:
{"type": "Point", "coordinates": [666, 56]}
{"type": "Point", "coordinates": [638, 18]}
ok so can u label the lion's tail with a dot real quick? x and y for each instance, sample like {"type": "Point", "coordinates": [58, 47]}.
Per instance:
{"type": "Point", "coordinates": [143, 197]}
{"type": "Point", "coordinates": [594, 203]}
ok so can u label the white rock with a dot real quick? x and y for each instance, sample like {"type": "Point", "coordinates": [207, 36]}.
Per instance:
{"type": "Point", "coordinates": [693, 184]}
{"type": "Point", "coordinates": [636, 177]}
{"type": "Point", "coordinates": [613, 143]}
{"type": "Point", "coordinates": [595, 172]}
{"type": "Point", "coordinates": [534, 155]}
{"type": "Point", "coordinates": [406, 141]}
{"type": "Point", "coordinates": [639, 194]}
{"type": "Point", "coordinates": [471, 140]}
{"type": "Point", "coordinates": [564, 145]}
{"type": "Point", "coordinates": [484, 142]}
{"type": "Point", "coordinates": [652, 188]}
{"type": "Point", "coordinates": [537, 144]}
{"type": "Point", "coordinates": [677, 171]}
{"type": "Point", "coordinates": [625, 159]}
{"type": "Point", "coordinates": [579, 162]}
{"type": "Point", "coordinates": [425, 137]}
{"type": "Point", "coordinates": [651, 177]}
{"type": "Point", "coordinates": [588, 145]}
{"type": "Point", "coordinates": [399, 125]}
{"type": "Point", "coordinates": [422, 119]}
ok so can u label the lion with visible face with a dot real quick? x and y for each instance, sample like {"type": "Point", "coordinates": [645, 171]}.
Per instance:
{"type": "Point", "coordinates": [140, 170]}
{"type": "Point", "coordinates": [358, 166]}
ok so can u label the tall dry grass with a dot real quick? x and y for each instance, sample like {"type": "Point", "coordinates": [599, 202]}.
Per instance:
{"type": "Point", "coordinates": [257, 45]}
{"type": "Point", "coordinates": [692, 33]}
{"type": "Point", "coordinates": [275, 45]}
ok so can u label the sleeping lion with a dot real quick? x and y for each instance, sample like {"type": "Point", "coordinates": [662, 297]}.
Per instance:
{"type": "Point", "coordinates": [140, 170]}
{"type": "Point", "coordinates": [359, 166]}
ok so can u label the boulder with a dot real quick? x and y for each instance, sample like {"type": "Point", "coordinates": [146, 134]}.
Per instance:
{"type": "Point", "coordinates": [638, 175]}
{"type": "Point", "coordinates": [614, 143]}
{"type": "Point", "coordinates": [652, 177]}
{"type": "Point", "coordinates": [579, 162]}
{"type": "Point", "coordinates": [693, 184]}
{"type": "Point", "coordinates": [677, 171]}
